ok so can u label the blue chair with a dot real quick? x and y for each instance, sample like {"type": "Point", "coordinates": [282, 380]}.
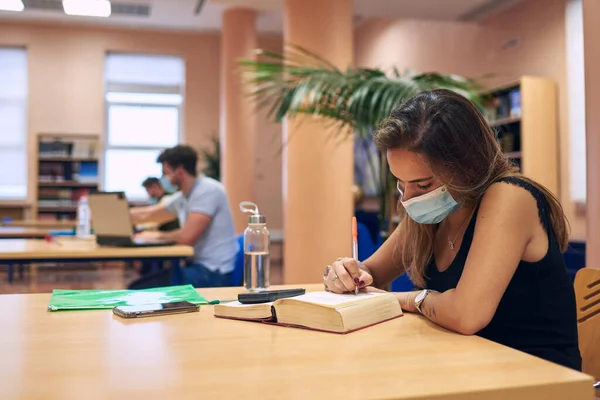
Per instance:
{"type": "Point", "coordinates": [366, 246]}
{"type": "Point", "coordinates": [237, 278]}
{"type": "Point", "coordinates": [370, 220]}
{"type": "Point", "coordinates": [575, 257]}
{"type": "Point", "coordinates": [402, 284]}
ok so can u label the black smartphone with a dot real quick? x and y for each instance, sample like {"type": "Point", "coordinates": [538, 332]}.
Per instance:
{"type": "Point", "coordinates": [267, 296]}
{"type": "Point", "coordinates": [151, 310]}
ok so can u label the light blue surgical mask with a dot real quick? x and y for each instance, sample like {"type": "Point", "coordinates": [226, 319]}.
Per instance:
{"type": "Point", "coordinates": [167, 185]}
{"type": "Point", "coordinates": [430, 208]}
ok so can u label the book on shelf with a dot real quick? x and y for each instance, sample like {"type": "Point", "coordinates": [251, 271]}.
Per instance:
{"type": "Point", "coordinates": [84, 148]}
{"type": "Point", "coordinates": [515, 103]}
{"type": "Point", "coordinates": [504, 106]}
{"type": "Point", "coordinates": [51, 172]}
{"type": "Point", "coordinates": [60, 197]}
{"type": "Point", "coordinates": [53, 148]}
{"type": "Point", "coordinates": [56, 203]}
{"type": "Point", "coordinates": [321, 311]}
{"type": "Point", "coordinates": [87, 172]}
{"type": "Point", "coordinates": [81, 172]}
{"type": "Point", "coordinates": [76, 147]}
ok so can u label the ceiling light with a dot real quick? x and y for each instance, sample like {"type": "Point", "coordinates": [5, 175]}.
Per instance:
{"type": "Point", "coordinates": [11, 5]}
{"type": "Point", "coordinates": [88, 8]}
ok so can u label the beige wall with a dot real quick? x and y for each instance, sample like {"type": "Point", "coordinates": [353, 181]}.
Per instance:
{"type": "Point", "coordinates": [66, 85]}
{"type": "Point", "coordinates": [528, 39]}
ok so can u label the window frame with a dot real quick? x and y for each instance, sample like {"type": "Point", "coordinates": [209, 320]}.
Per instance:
{"type": "Point", "coordinates": [138, 89]}
{"type": "Point", "coordinates": [21, 101]}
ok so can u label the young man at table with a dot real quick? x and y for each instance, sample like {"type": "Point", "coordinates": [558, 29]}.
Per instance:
{"type": "Point", "coordinates": [202, 208]}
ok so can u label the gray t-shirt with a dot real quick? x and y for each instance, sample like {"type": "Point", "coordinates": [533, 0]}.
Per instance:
{"type": "Point", "coordinates": [217, 247]}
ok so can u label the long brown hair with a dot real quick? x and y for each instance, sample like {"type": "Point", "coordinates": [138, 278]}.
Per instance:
{"type": "Point", "coordinates": [464, 155]}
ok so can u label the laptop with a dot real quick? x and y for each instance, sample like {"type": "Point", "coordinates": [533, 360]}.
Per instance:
{"type": "Point", "coordinates": [112, 222]}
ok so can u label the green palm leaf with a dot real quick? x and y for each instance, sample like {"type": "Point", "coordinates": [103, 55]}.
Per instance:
{"type": "Point", "coordinates": [300, 82]}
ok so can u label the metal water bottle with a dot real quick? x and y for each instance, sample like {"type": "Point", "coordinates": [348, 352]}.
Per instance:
{"type": "Point", "coordinates": [256, 249]}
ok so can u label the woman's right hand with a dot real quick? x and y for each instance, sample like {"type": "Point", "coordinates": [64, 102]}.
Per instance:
{"type": "Point", "coordinates": [345, 274]}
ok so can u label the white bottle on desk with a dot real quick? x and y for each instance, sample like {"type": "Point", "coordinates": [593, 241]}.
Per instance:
{"type": "Point", "coordinates": [256, 250]}
{"type": "Point", "coordinates": [84, 224]}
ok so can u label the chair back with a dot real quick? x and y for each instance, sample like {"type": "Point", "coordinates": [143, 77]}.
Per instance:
{"type": "Point", "coordinates": [587, 292]}
{"type": "Point", "coordinates": [366, 246]}
{"type": "Point", "coordinates": [237, 278]}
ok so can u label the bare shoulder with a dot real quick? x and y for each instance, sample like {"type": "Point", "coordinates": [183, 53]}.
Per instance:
{"type": "Point", "coordinates": [504, 201]}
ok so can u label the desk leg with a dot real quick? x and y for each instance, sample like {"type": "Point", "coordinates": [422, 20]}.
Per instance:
{"type": "Point", "coordinates": [154, 266]}
{"type": "Point", "coordinates": [10, 273]}
{"type": "Point", "coordinates": [176, 272]}
{"type": "Point", "coordinates": [33, 277]}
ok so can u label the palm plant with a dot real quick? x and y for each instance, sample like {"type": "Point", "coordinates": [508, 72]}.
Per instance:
{"type": "Point", "coordinates": [212, 159]}
{"type": "Point", "coordinates": [354, 100]}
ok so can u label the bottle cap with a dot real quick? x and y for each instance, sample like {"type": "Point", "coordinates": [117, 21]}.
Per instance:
{"type": "Point", "coordinates": [251, 208]}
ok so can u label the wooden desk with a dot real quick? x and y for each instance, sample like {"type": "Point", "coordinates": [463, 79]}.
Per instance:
{"type": "Point", "coordinates": [35, 223]}
{"type": "Point", "coordinates": [18, 232]}
{"type": "Point", "coordinates": [95, 355]}
{"type": "Point", "coordinates": [24, 251]}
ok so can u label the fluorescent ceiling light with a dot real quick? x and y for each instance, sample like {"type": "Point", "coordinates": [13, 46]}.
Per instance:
{"type": "Point", "coordinates": [88, 8]}
{"type": "Point", "coordinates": [11, 5]}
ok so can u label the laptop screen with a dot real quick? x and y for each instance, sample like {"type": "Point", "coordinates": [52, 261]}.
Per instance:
{"type": "Point", "coordinates": [110, 214]}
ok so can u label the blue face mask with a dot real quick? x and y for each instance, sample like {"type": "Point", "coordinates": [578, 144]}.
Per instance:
{"type": "Point", "coordinates": [432, 207]}
{"type": "Point", "coordinates": [167, 185]}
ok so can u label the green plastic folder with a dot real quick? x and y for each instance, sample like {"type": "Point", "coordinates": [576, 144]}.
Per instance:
{"type": "Point", "coordinates": [107, 299]}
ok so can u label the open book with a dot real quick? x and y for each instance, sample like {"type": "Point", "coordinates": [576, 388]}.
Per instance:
{"type": "Point", "coordinates": [323, 311]}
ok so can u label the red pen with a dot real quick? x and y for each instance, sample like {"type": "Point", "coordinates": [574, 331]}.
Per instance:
{"type": "Point", "coordinates": [355, 245]}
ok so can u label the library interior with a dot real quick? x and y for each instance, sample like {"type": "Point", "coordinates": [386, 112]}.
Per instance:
{"type": "Point", "coordinates": [184, 183]}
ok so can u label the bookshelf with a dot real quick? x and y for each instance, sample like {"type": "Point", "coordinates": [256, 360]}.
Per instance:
{"type": "Point", "coordinates": [525, 116]}
{"type": "Point", "coordinates": [67, 169]}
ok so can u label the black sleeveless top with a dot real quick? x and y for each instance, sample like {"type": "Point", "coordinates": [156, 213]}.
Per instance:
{"type": "Point", "coordinates": [537, 313]}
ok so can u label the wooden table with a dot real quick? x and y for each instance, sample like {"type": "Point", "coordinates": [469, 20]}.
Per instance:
{"type": "Point", "coordinates": [36, 223]}
{"type": "Point", "coordinates": [95, 355]}
{"type": "Point", "coordinates": [18, 232]}
{"type": "Point", "coordinates": [25, 251]}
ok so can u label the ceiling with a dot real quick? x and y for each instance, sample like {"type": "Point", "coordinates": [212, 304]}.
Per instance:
{"type": "Point", "coordinates": [180, 14]}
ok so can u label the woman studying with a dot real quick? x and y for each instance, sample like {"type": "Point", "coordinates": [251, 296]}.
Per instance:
{"type": "Point", "coordinates": [482, 242]}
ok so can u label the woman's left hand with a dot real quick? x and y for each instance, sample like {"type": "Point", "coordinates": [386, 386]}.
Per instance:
{"type": "Point", "coordinates": [406, 299]}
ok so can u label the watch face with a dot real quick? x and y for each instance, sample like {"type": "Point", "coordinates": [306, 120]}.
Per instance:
{"type": "Point", "coordinates": [420, 296]}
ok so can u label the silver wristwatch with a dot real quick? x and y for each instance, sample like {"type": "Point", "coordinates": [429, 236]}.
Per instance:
{"type": "Point", "coordinates": [421, 298]}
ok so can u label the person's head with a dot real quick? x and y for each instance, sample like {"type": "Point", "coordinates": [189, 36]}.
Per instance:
{"type": "Point", "coordinates": [438, 143]}
{"type": "Point", "coordinates": [153, 188]}
{"type": "Point", "coordinates": [178, 163]}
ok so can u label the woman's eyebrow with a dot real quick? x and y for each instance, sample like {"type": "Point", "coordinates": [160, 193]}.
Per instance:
{"type": "Point", "coordinates": [418, 180]}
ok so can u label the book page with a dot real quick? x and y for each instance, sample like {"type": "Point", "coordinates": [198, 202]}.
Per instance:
{"type": "Point", "coordinates": [333, 299]}
{"type": "Point", "coordinates": [238, 304]}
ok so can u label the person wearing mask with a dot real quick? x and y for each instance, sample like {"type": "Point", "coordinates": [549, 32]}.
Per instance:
{"type": "Point", "coordinates": [481, 241]}
{"type": "Point", "coordinates": [157, 193]}
{"type": "Point", "coordinates": [154, 189]}
{"type": "Point", "coordinates": [202, 207]}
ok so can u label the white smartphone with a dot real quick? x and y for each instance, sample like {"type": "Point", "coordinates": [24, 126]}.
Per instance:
{"type": "Point", "coordinates": [151, 310]}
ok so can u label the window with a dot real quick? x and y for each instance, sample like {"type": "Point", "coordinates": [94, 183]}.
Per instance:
{"type": "Point", "coordinates": [13, 124]}
{"type": "Point", "coordinates": [576, 96]}
{"type": "Point", "coordinates": [144, 100]}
